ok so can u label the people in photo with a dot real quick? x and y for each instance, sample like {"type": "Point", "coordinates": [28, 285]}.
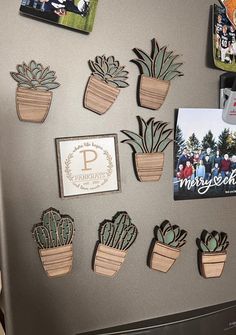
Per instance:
{"type": "Point", "coordinates": [200, 170]}
{"type": "Point", "coordinates": [61, 7]}
{"type": "Point", "coordinates": [224, 43]}
{"type": "Point", "coordinates": [208, 167]}
{"type": "Point", "coordinates": [225, 166]}
{"type": "Point", "coordinates": [218, 30]}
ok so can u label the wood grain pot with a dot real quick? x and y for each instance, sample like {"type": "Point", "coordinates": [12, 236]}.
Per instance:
{"type": "Point", "coordinates": [149, 166]}
{"type": "Point", "coordinates": [57, 262]}
{"type": "Point", "coordinates": [163, 257]}
{"type": "Point", "coordinates": [33, 105]}
{"type": "Point", "coordinates": [212, 264]}
{"type": "Point", "coordinates": [108, 260]}
{"type": "Point", "coordinates": [99, 96]}
{"type": "Point", "coordinates": [152, 92]}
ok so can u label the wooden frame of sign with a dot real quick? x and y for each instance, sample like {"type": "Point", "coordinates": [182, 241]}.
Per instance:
{"type": "Point", "coordinates": [88, 165]}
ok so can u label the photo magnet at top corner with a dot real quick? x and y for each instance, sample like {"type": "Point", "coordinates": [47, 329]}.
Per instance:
{"type": "Point", "coordinates": [228, 97]}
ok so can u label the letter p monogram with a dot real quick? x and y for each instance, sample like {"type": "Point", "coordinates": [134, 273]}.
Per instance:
{"type": "Point", "coordinates": [89, 156]}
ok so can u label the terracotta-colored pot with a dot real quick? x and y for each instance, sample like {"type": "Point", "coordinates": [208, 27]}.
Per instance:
{"type": "Point", "coordinates": [212, 264]}
{"type": "Point", "coordinates": [99, 96]}
{"type": "Point", "coordinates": [108, 260]}
{"type": "Point", "coordinates": [57, 261]}
{"type": "Point", "coordinates": [163, 257]}
{"type": "Point", "coordinates": [33, 105]}
{"type": "Point", "coordinates": [149, 166]}
{"type": "Point", "coordinates": [152, 92]}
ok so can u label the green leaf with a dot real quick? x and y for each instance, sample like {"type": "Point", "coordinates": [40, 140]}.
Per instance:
{"type": "Point", "coordinates": [182, 243]}
{"type": "Point", "coordinates": [167, 65]}
{"type": "Point", "coordinates": [25, 85]}
{"type": "Point", "coordinates": [104, 66]}
{"type": "Point", "coordinates": [121, 83]}
{"type": "Point", "coordinates": [148, 136]}
{"type": "Point", "coordinates": [98, 60]}
{"type": "Point", "coordinates": [182, 236]}
{"type": "Point", "coordinates": [143, 67]}
{"type": "Point", "coordinates": [204, 248]}
{"type": "Point", "coordinates": [32, 65]}
{"type": "Point", "coordinates": [225, 245]}
{"type": "Point", "coordinates": [20, 69]}
{"type": "Point", "coordinates": [169, 237]}
{"type": "Point", "coordinates": [111, 83]}
{"type": "Point", "coordinates": [95, 67]}
{"type": "Point", "coordinates": [159, 235]}
{"type": "Point", "coordinates": [112, 71]}
{"type": "Point", "coordinates": [165, 226]}
{"type": "Point", "coordinates": [111, 60]}
{"type": "Point", "coordinates": [155, 48]}
{"type": "Point", "coordinates": [52, 86]}
{"type": "Point", "coordinates": [134, 145]}
{"type": "Point", "coordinates": [158, 62]}
{"type": "Point", "coordinates": [172, 75]}
{"type": "Point", "coordinates": [162, 146]}
{"type": "Point", "coordinates": [212, 244]}
{"type": "Point", "coordinates": [50, 74]}
{"type": "Point", "coordinates": [29, 74]}
{"type": "Point", "coordinates": [135, 137]}
{"type": "Point", "coordinates": [157, 134]}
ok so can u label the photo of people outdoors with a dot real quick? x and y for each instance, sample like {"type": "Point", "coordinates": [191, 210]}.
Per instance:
{"type": "Point", "coordinates": [224, 40]}
{"type": "Point", "coordinates": [204, 155]}
{"type": "Point", "coordinates": [75, 14]}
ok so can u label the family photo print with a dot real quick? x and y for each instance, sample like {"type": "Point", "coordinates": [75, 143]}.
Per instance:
{"type": "Point", "coordinates": [204, 155]}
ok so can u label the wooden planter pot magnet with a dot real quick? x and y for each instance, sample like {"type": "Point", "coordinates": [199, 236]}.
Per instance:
{"type": "Point", "coordinates": [148, 147]}
{"type": "Point", "coordinates": [167, 246]}
{"type": "Point", "coordinates": [212, 253]}
{"type": "Point", "coordinates": [33, 94]}
{"type": "Point", "coordinates": [54, 237]}
{"type": "Point", "coordinates": [104, 84]}
{"type": "Point", "coordinates": [115, 238]}
{"type": "Point", "coordinates": [157, 70]}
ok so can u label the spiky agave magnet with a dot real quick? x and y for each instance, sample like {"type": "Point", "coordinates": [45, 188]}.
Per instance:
{"type": "Point", "coordinates": [104, 84]}
{"type": "Point", "coordinates": [166, 247]}
{"type": "Point", "coordinates": [148, 147]}
{"type": "Point", "coordinates": [212, 253]}
{"type": "Point", "coordinates": [115, 238]}
{"type": "Point", "coordinates": [54, 235]}
{"type": "Point", "coordinates": [33, 94]}
{"type": "Point", "coordinates": [157, 70]}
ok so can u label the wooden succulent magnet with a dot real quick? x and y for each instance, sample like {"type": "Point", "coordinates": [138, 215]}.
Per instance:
{"type": "Point", "coordinates": [54, 235]}
{"type": "Point", "coordinates": [115, 238]}
{"type": "Point", "coordinates": [33, 94]}
{"type": "Point", "coordinates": [166, 246]}
{"type": "Point", "coordinates": [157, 70]}
{"type": "Point", "coordinates": [104, 83]}
{"type": "Point", "coordinates": [148, 146]}
{"type": "Point", "coordinates": [212, 253]}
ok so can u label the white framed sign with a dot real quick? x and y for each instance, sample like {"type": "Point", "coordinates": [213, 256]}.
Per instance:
{"type": "Point", "coordinates": [88, 165]}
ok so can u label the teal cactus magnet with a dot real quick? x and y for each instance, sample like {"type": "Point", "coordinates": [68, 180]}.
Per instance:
{"type": "Point", "coordinates": [54, 236]}
{"type": "Point", "coordinates": [115, 238]}
{"type": "Point", "coordinates": [212, 253]}
{"type": "Point", "coordinates": [33, 94]}
{"type": "Point", "coordinates": [167, 246]}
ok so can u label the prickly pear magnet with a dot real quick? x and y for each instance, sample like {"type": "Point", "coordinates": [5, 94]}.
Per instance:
{"type": "Point", "coordinates": [115, 238]}
{"type": "Point", "coordinates": [33, 94]}
{"type": "Point", "coordinates": [54, 235]}
{"type": "Point", "coordinates": [104, 84]}
{"type": "Point", "coordinates": [157, 70]}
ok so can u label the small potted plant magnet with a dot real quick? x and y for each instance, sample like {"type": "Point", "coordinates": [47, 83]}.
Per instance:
{"type": "Point", "coordinates": [212, 253]}
{"type": "Point", "coordinates": [104, 84]}
{"type": "Point", "coordinates": [148, 147]}
{"type": "Point", "coordinates": [33, 94]}
{"type": "Point", "coordinates": [54, 235]}
{"type": "Point", "coordinates": [115, 238]}
{"type": "Point", "coordinates": [167, 246]}
{"type": "Point", "coordinates": [157, 70]}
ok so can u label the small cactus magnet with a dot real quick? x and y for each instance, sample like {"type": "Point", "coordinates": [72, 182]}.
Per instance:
{"type": "Point", "coordinates": [166, 247]}
{"type": "Point", "coordinates": [157, 70]}
{"type": "Point", "coordinates": [212, 253]}
{"type": "Point", "coordinates": [148, 147]}
{"type": "Point", "coordinates": [115, 238]}
{"type": "Point", "coordinates": [104, 83]}
{"type": "Point", "coordinates": [54, 235]}
{"type": "Point", "coordinates": [33, 94]}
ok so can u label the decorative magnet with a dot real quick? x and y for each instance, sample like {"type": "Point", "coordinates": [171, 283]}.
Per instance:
{"type": "Point", "coordinates": [104, 84]}
{"type": "Point", "coordinates": [54, 236]}
{"type": "Point", "coordinates": [148, 147]}
{"type": "Point", "coordinates": [157, 70]}
{"type": "Point", "coordinates": [33, 94]}
{"type": "Point", "coordinates": [115, 238]}
{"type": "Point", "coordinates": [212, 253]}
{"type": "Point", "coordinates": [166, 246]}
{"type": "Point", "coordinates": [230, 6]}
